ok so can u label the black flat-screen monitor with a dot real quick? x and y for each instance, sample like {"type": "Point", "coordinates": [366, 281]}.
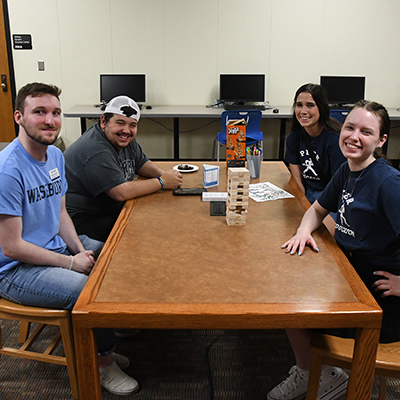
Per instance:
{"type": "Point", "coordinates": [343, 90]}
{"type": "Point", "coordinates": [242, 88]}
{"type": "Point", "coordinates": [133, 86]}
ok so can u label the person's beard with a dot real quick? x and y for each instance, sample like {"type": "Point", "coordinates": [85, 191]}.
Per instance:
{"type": "Point", "coordinates": [39, 138]}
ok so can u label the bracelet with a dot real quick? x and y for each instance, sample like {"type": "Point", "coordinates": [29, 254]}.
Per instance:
{"type": "Point", "coordinates": [72, 263]}
{"type": "Point", "coordinates": [161, 182]}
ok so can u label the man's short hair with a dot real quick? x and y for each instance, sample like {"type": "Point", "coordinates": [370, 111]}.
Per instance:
{"type": "Point", "coordinates": [108, 116]}
{"type": "Point", "coordinates": [35, 89]}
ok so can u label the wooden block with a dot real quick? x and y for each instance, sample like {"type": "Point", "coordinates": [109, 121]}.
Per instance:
{"type": "Point", "coordinates": [238, 185]}
{"type": "Point", "coordinates": [241, 172]}
{"type": "Point", "coordinates": [238, 192]}
{"type": "Point", "coordinates": [235, 211]}
{"type": "Point", "coordinates": [238, 196]}
{"type": "Point", "coordinates": [238, 203]}
{"type": "Point", "coordinates": [234, 219]}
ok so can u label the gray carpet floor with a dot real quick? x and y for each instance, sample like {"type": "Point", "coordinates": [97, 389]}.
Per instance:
{"type": "Point", "coordinates": [171, 365]}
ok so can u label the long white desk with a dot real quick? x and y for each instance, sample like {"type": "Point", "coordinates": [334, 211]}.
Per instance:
{"type": "Point", "coordinates": [177, 112]}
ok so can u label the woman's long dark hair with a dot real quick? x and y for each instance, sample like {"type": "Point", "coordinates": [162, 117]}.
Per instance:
{"type": "Point", "coordinates": [320, 97]}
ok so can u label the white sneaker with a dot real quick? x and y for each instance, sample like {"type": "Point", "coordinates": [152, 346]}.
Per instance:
{"type": "Point", "coordinates": [122, 361]}
{"type": "Point", "coordinates": [292, 388]}
{"type": "Point", "coordinates": [333, 383]}
{"type": "Point", "coordinates": [116, 381]}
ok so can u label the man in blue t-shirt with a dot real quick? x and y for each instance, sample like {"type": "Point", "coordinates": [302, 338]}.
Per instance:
{"type": "Point", "coordinates": [43, 262]}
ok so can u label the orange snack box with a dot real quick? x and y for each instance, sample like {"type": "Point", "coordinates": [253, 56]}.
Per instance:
{"type": "Point", "coordinates": [235, 143]}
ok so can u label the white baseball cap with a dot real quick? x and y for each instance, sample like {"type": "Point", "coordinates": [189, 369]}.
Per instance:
{"type": "Point", "coordinates": [125, 106]}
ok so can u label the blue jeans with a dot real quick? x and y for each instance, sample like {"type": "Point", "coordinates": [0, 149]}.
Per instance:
{"type": "Point", "coordinates": [52, 287]}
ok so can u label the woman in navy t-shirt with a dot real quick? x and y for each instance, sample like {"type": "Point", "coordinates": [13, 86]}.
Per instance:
{"type": "Point", "coordinates": [365, 192]}
{"type": "Point", "coordinates": [311, 120]}
{"type": "Point", "coordinates": [311, 117]}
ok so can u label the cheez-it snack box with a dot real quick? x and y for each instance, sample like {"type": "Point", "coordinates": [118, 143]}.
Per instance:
{"type": "Point", "coordinates": [235, 143]}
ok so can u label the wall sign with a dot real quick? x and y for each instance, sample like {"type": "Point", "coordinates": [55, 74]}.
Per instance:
{"type": "Point", "coordinates": [22, 42]}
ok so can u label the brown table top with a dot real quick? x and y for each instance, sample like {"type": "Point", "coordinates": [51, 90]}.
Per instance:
{"type": "Point", "coordinates": [168, 264]}
{"type": "Point", "coordinates": [174, 260]}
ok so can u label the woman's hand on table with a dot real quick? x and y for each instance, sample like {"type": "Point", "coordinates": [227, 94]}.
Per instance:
{"type": "Point", "coordinates": [299, 241]}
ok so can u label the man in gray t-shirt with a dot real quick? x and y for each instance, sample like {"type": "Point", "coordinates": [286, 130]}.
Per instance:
{"type": "Point", "coordinates": [100, 169]}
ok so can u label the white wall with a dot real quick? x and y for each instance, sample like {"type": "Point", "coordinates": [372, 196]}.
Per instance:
{"type": "Point", "coordinates": [183, 45]}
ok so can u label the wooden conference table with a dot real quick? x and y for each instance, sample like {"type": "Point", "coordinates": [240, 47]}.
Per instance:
{"type": "Point", "coordinates": [168, 264]}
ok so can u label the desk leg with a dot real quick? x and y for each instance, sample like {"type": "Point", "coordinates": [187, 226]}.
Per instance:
{"type": "Point", "coordinates": [282, 139]}
{"type": "Point", "coordinates": [83, 125]}
{"type": "Point", "coordinates": [363, 365]}
{"type": "Point", "coordinates": [87, 364]}
{"type": "Point", "coordinates": [176, 139]}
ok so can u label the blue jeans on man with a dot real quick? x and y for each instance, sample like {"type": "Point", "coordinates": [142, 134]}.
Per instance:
{"type": "Point", "coordinates": [53, 287]}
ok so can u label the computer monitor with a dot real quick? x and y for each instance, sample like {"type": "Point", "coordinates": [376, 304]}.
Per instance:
{"type": "Point", "coordinates": [343, 90]}
{"type": "Point", "coordinates": [133, 86]}
{"type": "Point", "coordinates": [242, 88]}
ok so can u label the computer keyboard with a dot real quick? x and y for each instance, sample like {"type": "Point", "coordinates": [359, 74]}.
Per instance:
{"type": "Point", "coordinates": [244, 107]}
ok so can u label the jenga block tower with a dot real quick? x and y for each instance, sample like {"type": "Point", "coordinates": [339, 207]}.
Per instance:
{"type": "Point", "coordinates": [238, 196]}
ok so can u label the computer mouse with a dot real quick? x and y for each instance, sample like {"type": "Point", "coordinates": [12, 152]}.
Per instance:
{"type": "Point", "coordinates": [275, 110]}
{"type": "Point", "coordinates": [149, 107]}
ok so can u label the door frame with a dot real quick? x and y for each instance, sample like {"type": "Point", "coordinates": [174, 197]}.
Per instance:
{"type": "Point", "coordinates": [11, 71]}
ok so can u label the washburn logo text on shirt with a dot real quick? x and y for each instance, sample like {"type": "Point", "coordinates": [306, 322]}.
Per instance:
{"type": "Point", "coordinates": [44, 191]}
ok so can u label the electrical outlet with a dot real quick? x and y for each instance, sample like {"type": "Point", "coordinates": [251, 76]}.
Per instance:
{"type": "Point", "coordinates": [218, 208]}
